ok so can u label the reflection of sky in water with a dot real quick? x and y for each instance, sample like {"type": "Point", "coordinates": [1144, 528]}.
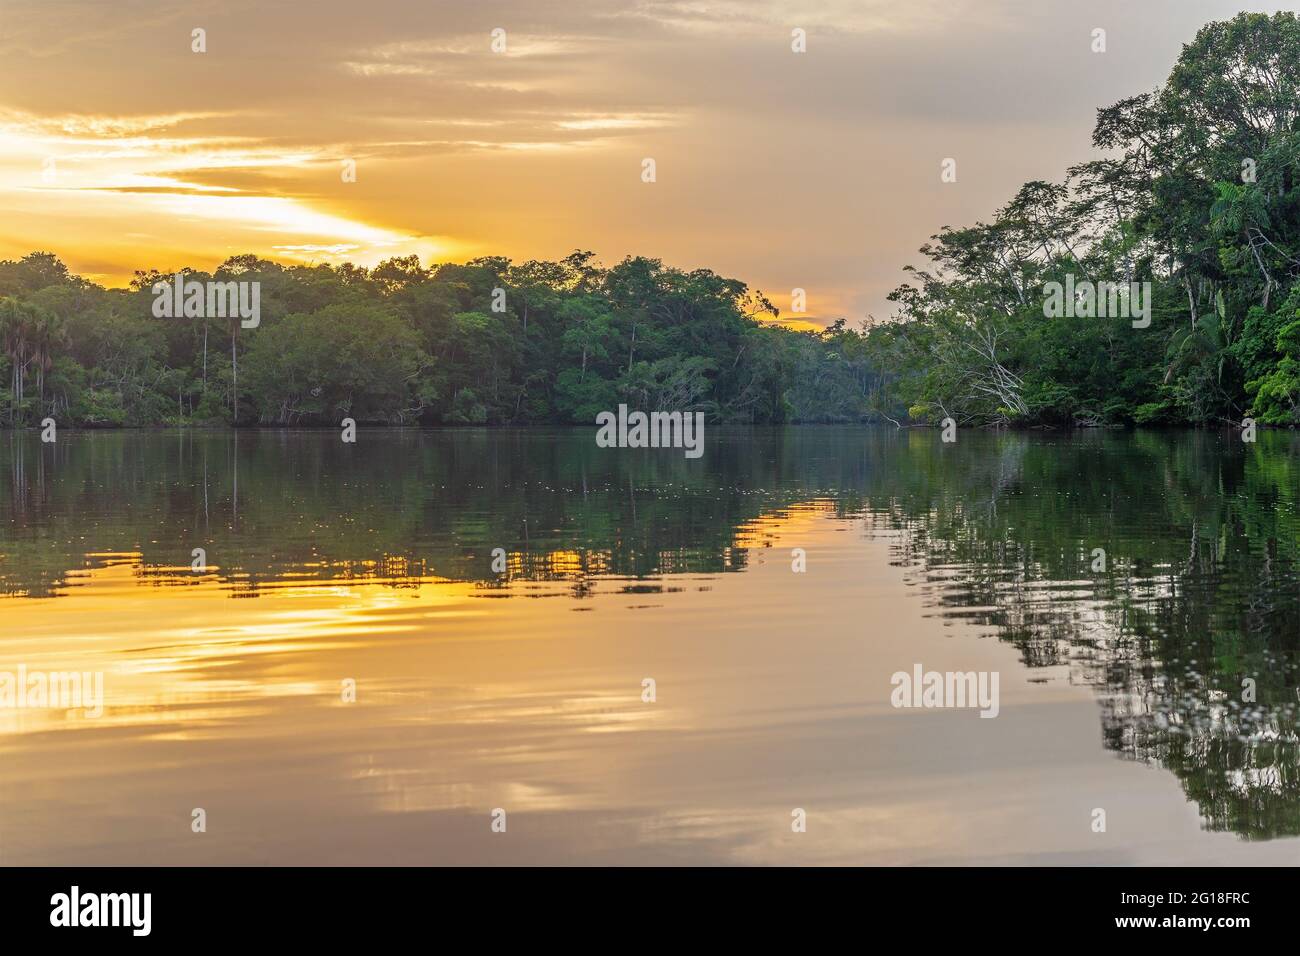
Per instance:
{"type": "Point", "coordinates": [772, 694]}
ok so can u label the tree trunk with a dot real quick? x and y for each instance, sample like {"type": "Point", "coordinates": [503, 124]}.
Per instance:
{"type": "Point", "coordinates": [234, 365]}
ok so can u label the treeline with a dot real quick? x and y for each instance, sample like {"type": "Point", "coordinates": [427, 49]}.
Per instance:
{"type": "Point", "coordinates": [1197, 195]}
{"type": "Point", "coordinates": [485, 342]}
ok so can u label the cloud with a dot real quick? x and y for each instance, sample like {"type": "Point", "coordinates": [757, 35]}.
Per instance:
{"type": "Point", "coordinates": [817, 170]}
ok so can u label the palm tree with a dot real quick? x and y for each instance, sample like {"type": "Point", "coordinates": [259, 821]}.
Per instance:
{"type": "Point", "coordinates": [16, 322]}
{"type": "Point", "coordinates": [48, 332]}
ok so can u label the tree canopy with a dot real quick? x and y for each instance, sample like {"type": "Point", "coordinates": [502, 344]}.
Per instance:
{"type": "Point", "coordinates": [483, 342]}
{"type": "Point", "coordinates": [1197, 195]}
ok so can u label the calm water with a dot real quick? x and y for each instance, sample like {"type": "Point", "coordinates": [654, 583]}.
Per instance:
{"type": "Point", "coordinates": [1121, 689]}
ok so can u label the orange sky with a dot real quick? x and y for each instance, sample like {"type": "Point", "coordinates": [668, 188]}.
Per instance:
{"type": "Point", "coordinates": [122, 149]}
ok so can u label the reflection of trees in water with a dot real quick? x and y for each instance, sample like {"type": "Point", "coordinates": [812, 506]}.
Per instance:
{"type": "Point", "coordinates": [397, 508]}
{"type": "Point", "coordinates": [1199, 592]}
{"type": "Point", "coordinates": [1201, 534]}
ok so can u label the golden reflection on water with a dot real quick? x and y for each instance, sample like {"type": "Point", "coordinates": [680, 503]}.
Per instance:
{"type": "Point", "coordinates": [772, 694]}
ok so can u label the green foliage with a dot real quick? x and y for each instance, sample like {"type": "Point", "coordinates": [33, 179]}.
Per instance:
{"type": "Point", "coordinates": [1199, 199]}
{"type": "Point", "coordinates": [397, 344]}
{"type": "Point", "coordinates": [1277, 394]}
{"type": "Point", "coordinates": [358, 361]}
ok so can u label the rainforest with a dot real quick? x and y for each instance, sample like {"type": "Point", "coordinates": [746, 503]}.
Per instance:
{"type": "Point", "coordinates": [1192, 189]}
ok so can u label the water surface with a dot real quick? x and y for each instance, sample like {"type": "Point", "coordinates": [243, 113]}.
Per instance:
{"type": "Point", "coordinates": [1121, 687]}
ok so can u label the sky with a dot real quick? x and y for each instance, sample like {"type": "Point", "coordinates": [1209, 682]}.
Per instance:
{"type": "Point", "coordinates": [121, 148]}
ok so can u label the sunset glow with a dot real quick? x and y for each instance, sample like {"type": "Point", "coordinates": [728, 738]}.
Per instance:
{"type": "Point", "coordinates": [783, 172]}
